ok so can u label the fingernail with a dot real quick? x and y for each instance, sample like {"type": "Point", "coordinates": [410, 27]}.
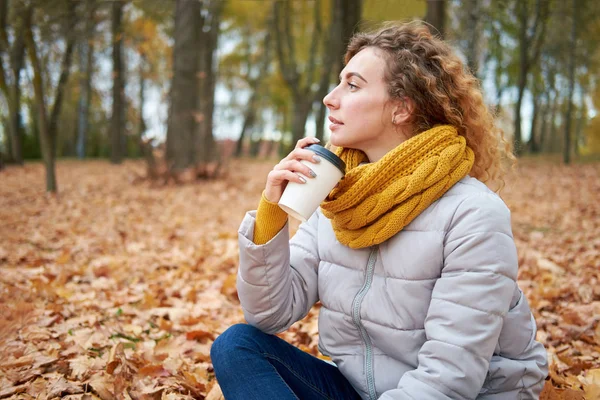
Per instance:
{"type": "Point", "coordinates": [316, 140]}
{"type": "Point", "coordinates": [302, 178]}
{"type": "Point", "coordinates": [312, 173]}
{"type": "Point", "coordinates": [317, 158]}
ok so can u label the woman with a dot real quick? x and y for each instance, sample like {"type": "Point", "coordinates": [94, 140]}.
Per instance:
{"type": "Point", "coordinates": [411, 255]}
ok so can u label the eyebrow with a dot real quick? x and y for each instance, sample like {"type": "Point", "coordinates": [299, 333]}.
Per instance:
{"type": "Point", "coordinates": [349, 74]}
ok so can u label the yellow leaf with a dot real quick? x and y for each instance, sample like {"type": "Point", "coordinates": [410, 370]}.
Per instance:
{"type": "Point", "coordinates": [64, 292]}
{"type": "Point", "coordinates": [591, 388]}
{"type": "Point", "coordinates": [131, 328]}
{"type": "Point", "coordinates": [64, 258]}
{"type": "Point", "coordinates": [228, 288]}
{"type": "Point", "coordinates": [215, 393]}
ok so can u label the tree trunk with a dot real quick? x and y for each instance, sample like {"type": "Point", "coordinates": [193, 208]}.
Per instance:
{"type": "Point", "coordinates": [572, 63]}
{"type": "Point", "coordinates": [64, 76]}
{"type": "Point", "coordinates": [16, 130]}
{"type": "Point", "coordinates": [530, 45]}
{"type": "Point", "coordinates": [118, 112]}
{"type": "Point", "coordinates": [579, 137]}
{"type": "Point", "coordinates": [86, 57]}
{"type": "Point", "coordinates": [473, 34]}
{"type": "Point", "coordinates": [320, 121]}
{"type": "Point", "coordinates": [436, 15]}
{"type": "Point", "coordinates": [257, 139]}
{"type": "Point", "coordinates": [46, 141]}
{"type": "Point", "coordinates": [533, 140]}
{"type": "Point", "coordinates": [249, 118]}
{"type": "Point", "coordinates": [553, 112]}
{"type": "Point", "coordinates": [48, 128]}
{"type": "Point", "coordinates": [249, 113]}
{"type": "Point", "coordinates": [12, 92]}
{"type": "Point", "coordinates": [142, 100]}
{"type": "Point", "coordinates": [333, 55]}
{"type": "Point", "coordinates": [522, 82]}
{"type": "Point", "coordinates": [284, 113]}
{"type": "Point", "coordinates": [184, 87]}
{"type": "Point", "coordinates": [3, 18]}
{"type": "Point", "coordinates": [5, 151]}
{"type": "Point", "coordinates": [518, 142]}
{"type": "Point", "coordinates": [545, 115]}
{"type": "Point", "coordinates": [207, 148]}
{"type": "Point", "coordinates": [351, 17]}
{"type": "Point", "coordinates": [255, 147]}
{"type": "Point", "coordinates": [255, 84]}
{"type": "Point", "coordinates": [300, 111]}
{"type": "Point", "coordinates": [303, 96]}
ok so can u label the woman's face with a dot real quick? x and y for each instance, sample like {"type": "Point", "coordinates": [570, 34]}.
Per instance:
{"type": "Point", "coordinates": [359, 109]}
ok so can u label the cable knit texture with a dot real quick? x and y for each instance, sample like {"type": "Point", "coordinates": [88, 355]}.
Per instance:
{"type": "Point", "coordinates": [375, 201]}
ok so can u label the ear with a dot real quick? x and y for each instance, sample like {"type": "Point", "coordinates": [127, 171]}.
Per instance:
{"type": "Point", "coordinates": [402, 111]}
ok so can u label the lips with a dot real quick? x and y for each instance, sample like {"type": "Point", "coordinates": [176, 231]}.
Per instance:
{"type": "Point", "coordinates": [335, 121]}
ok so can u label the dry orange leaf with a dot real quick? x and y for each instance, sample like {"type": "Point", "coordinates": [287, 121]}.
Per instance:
{"type": "Point", "coordinates": [153, 370]}
{"type": "Point", "coordinates": [199, 335]}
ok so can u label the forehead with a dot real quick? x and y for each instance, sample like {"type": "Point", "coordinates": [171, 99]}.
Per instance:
{"type": "Point", "coordinates": [368, 63]}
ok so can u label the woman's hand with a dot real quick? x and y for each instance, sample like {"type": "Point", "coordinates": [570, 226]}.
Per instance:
{"type": "Point", "coordinates": [288, 168]}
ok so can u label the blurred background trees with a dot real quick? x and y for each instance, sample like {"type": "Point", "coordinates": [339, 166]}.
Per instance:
{"type": "Point", "coordinates": [208, 79]}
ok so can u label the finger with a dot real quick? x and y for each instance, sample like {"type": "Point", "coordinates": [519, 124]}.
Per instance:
{"type": "Point", "coordinates": [286, 175]}
{"type": "Point", "coordinates": [296, 166]}
{"type": "Point", "coordinates": [302, 154]}
{"type": "Point", "coordinates": [306, 141]}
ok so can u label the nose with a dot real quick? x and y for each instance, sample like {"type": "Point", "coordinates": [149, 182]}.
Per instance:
{"type": "Point", "coordinates": [331, 101]}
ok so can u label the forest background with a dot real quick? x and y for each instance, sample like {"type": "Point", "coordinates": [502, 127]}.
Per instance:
{"type": "Point", "coordinates": [135, 134]}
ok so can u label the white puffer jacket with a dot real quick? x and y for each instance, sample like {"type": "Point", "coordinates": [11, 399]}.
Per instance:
{"type": "Point", "coordinates": [432, 313]}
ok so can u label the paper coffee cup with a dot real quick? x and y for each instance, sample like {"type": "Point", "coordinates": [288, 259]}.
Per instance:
{"type": "Point", "coordinates": [300, 200]}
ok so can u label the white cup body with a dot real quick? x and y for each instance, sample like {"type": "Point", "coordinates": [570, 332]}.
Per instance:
{"type": "Point", "coordinates": [301, 200]}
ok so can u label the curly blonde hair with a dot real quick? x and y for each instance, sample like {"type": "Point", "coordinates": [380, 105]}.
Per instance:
{"type": "Point", "coordinates": [425, 69]}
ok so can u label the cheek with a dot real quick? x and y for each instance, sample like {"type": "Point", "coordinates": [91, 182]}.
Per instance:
{"type": "Point", "coordinates": [366, 108]}
{"type": "Point", "coordinates": [366, 113]}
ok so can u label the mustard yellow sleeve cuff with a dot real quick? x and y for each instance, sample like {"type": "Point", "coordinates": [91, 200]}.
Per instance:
{"type": "Point", "coordinates": [270, 219]}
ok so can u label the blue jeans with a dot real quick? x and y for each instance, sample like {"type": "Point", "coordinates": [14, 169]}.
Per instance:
{"type": "Point", "coordinates": [250, 364]}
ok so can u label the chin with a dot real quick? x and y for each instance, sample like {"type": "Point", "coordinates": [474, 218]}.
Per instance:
{"type": "Point", "coordinates": [341, 141]}
{"type": "Point", "coordinates": [334, 141]}
{"type": "Point", "coordinates": [338, 140]}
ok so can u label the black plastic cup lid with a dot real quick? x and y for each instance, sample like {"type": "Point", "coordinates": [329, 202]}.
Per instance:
{"type": "Point", "coordinates": [329, 156]}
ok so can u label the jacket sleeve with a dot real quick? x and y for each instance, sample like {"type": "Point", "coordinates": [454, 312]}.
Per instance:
{"type": "Point", "coordinates": [468, 306]}
{"type": "Point", "coordinates": [277, 281]}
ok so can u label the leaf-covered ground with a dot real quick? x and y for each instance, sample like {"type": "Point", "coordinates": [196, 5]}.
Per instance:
{"type": "Point", "coordinates": [116, 288]}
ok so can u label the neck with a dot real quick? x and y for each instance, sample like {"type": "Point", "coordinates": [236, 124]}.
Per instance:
{"type": "Point", "coordinates": [383, 145]}
{"type": "Point", "coordinates": [375, 155]}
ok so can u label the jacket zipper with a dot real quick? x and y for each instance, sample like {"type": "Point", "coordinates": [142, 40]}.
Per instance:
{"type": "Point", "coordinates": [356, 304]}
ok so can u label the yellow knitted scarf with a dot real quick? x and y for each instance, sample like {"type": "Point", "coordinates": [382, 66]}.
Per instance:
{"type": "Point", "coordinates": [375, 201]}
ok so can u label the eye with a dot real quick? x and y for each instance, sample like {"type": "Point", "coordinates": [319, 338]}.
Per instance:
{"type": "Point", "coordinates": [352, 86]}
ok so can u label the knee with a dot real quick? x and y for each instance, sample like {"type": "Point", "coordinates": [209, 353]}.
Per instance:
{"type": "Point", "coordinates": [235, 338]}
